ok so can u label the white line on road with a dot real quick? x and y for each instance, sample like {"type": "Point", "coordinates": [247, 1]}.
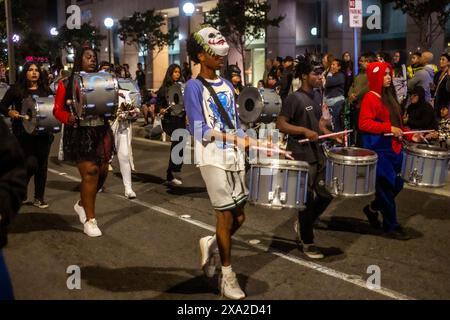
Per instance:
{"type": "Point", "coordinates": [304, 263]}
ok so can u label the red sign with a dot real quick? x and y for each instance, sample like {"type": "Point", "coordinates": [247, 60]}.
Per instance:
{"type": "Point", "coordinates": [36, 59]}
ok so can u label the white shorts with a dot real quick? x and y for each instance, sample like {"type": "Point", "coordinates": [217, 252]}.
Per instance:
{"type": "Point", "coordinates": [226, 189]}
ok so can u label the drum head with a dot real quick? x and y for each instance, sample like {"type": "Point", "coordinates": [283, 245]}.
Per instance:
{"type": "Point", "coordinates": [351, 153]}
{"type": "Point", "coordinates": [250, 105]}
{"type": "Point", "coordinates": [283, 164]}
{"type": "Point", "coordinates": [428, 150]}
{"type": "Point", "coordinates": [29, 108]}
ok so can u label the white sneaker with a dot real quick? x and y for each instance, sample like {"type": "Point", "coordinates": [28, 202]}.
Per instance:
{"type": "Point", "coordinates": [229, 287]}
{"type": "Point", "coordinates": [91, 228]}
{"type": "Point", "coordinates": [176, 182]}
{"type": "Point", "coordinates": [130, 194]}
{"type": "Point", "coordinates": [207, 260]}
{"type": "Point", "coordinates": [80, 211]}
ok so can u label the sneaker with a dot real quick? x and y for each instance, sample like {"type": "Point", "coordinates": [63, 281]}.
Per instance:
{"type": "Point", "coordinates": [40, 204]}
{"type": "Point", "coordinates": [130, 194]}
{"type": "Point", "coordinates": [372, 216]}
{"type": "Point", "coordinates": [176, 182]}
{"type": "Point", "coordinates": [91, 228]}
{"type": "Point", "coordinates": [398, 234]}
{"type": "Point", "coordinates": [229, 287]}
{"type": "Point", "coordinates": [311, 251]}
{"type": "Point", "coordinates": [206, 256]}
{"type": "Point", "coordinates": [80, 211]}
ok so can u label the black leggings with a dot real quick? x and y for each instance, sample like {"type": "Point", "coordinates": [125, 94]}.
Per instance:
{"type": "Point", "coordinates": [36, 149]}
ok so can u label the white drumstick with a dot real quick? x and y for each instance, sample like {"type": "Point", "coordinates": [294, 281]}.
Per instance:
{"type": "Point", "coordinates": [26, 117]}
{"type": "Point", "coordinates": [286, 153]}
{"type": "Point", "coordinates": [410, 132]}
{"type": "Point", "coordinates": [328, 135]}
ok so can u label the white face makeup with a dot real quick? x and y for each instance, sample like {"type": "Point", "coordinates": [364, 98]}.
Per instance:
{"type": "Point", "coordinates": [214, 40]}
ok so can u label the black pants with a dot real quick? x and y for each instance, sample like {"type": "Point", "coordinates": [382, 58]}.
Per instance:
{"type": "Point", "coordinates": [36, 149]}
{"type": "Point", "coordinates": [318, 199]}
{"type": "Point", "coordinates": [176, 123]}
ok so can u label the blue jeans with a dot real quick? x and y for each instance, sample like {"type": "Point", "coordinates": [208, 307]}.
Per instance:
{"type": "Point", "coordinates": [6, 292]}
{"type": "Point", "coordinates": [385, 201]}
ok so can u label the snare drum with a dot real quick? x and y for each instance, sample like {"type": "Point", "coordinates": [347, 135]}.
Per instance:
{"type": "Point", "coordinates": [40, 115]}
{"type": "Point", "coordinates": [280, 184]}
{"type": "Point", "coordinates": [351, 172]}
{"type": "Point", "coordinates": [95, 94]}
{"type": "Point", "coordinates": [425, 165]}
{"type": "Point", "coordinates": [258, 105]}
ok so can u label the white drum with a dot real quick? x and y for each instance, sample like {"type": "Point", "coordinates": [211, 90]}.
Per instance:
{"type": "Point", "coordinates": [425, 165]}
{"type": "Point", "coordinates": [40, 115]}
{"type": "Point", "coordinates": [258, 105]}
{"type": "Point", "coordinates": [351, 172]}
{"type": "Point", "coordinates": [280, 184]}
{"type": "Point", "coordinates": [95, 94]}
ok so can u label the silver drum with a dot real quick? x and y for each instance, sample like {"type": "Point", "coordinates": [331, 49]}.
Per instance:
{"type": "Point", "coordinates": [280, 184]}
{"type": "Point", "coordinates": [258, 105]}
{"type": "Point", "coordinates": [95, 94]}
{"type": "Point", "coordinates": [425, 165]}
{"type": "Point", "coordinates": [40, 115]}
{"type": "Point", "coordinates": [129, 87]}
{"type": "Point", "coordinates": [351, 172]}
{"type": "Point", "coordinates": [175, 99]}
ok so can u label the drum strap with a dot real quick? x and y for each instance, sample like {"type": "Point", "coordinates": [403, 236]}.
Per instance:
{"type": "Point", "coordinates": [213, 94]}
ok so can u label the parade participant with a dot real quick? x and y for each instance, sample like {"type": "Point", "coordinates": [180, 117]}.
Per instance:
{"type": "Point", "coordinates": [87, 142]}
{"type": "Point", "coordinates": [380, 114]}
{"type": "Point", "coordinates": [301, 117]}
{"type": "Point", "coordinates": [211, 109]}
{"type": "Point", "coordinates": [13, 190]}
{"type": "Point", "coordinates": [172, 119]}
{"type": "Point", "coordinates": [36, 147]}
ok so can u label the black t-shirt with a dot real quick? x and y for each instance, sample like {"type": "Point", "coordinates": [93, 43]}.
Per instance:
{"type": "Point", "coordinates": [303, 109]}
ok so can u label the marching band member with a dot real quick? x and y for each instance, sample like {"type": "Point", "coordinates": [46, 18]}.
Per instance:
{"type": "Point", "coordinates": [174, 121]}
{"type": "Point", "coordinates": [88, 143]}
{"type": "Point", "coordinates": [36, 147]}
{"type": "Point", "coordinates": [211, 110]}
{"type": "Point", "coordinates": [301, 117]}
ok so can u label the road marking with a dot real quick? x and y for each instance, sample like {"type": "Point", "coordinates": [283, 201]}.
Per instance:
{"type": "Point", "coordinates": [356, 280]}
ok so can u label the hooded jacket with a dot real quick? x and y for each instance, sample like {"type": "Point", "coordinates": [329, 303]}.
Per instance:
{"type": "Point", "coordinates": [374, 117]}
{"type": "Point", "coordinates": [424, 78]}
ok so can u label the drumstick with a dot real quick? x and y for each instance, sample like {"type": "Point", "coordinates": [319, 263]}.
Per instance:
{"type": "Point", "coordinates": [281, 151]}
{"type": "Point", "coordinates": [26, 117]}
{"type": "Point", "coordinates": [410, 132]}
{"type": "Point", "coordinates": [328, 135]}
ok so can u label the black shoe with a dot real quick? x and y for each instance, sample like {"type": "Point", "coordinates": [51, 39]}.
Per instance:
{"type": "Point", "coordinates": [372, 216]}
{"type": "Point", "coordinates": [398, 234]}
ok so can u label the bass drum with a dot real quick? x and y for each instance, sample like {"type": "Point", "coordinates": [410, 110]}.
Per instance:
{"type": "Point", "coordinates": [40, 115]}
{"type": "Point", "coordinates": [258, 105]}
{"type": "Point", "coordinates": [175, 99]}
{"type": "Point", "coordinates": [95, 94]}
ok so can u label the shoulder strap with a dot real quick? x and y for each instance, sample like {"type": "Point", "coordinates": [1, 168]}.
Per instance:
{"type": "Point", "coordinates": [213, 94]}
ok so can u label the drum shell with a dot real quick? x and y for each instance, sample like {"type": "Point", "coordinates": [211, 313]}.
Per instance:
{"type": "Point", "coordinates": [258, 105]}
{"type": "Point", "coordinates": [351, 176]}
{"type": "Point", "coordinates": [175, 99]}
{"type": "Point", "coordinates": [40, 111]}
{"type": "Point", "coordinates": [286, 180]}
{"type": "Point", "coordinates": [430, 168]}
{"type": "Point", "coordinates": [130, 86]}
{"type": "Point", "coordinates": [95, 94]}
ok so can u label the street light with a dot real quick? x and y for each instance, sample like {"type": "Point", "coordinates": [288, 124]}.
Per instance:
{"type": "Point", "coordinates": [54, 32]}
{"type": "Point", "coordinates": [188, 9]}
{"type": "Point", "coordinates": [15, 38]}
{"type": "Point", "coordinates": [109, 23]}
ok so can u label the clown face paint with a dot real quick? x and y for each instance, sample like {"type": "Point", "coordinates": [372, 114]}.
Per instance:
{"type": "Point", "coordinates": [212, 39]}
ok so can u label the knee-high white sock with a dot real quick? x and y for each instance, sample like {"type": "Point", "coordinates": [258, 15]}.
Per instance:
{"type": "Point", "coordinates": [124, 161]}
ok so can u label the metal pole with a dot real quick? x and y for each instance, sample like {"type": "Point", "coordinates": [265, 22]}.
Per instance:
{"type": "Point", "coordinates": [187, 38]}
{"type": "Point", "coordinates": [9, 33]}
{"type": "Point", "coordinates": [355, 37]}
{"type": "Point", "coordinates": [109, 45]}
{"type": "Point", "coordinates": [322, 26]}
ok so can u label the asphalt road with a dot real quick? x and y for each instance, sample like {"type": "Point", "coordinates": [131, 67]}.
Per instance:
{"type": "Point", "coordinates": [149, 249]}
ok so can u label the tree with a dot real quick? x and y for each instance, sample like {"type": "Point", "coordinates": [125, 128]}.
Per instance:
{"type": "Point", "coordinates": [69, 38]}
{"type": "Point", "coordinates": [430, 16]}
{"type": "Point", "coordinates": [241, 22]}
{"type": "Point", "coordinates": [143, 30]}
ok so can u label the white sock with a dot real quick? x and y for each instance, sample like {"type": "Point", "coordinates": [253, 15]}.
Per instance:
{"type": "Point", "coordinates": [226, 270]}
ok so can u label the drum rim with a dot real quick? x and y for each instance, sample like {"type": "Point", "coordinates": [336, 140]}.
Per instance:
{"type": "Point", "coordinates": [413, 150]}
{"type": "Point", "coordinates": [277, 207]}
{"type": "Point", "coordinates": [365, 159]}
{"type": "Point", "coordinates": [283, 165]}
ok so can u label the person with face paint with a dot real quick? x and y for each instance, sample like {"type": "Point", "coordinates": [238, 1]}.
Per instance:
{"type": "Point", "coordinates": [219, 144]}
{"type": "Point", "coordinates": [88, 143]}
{"type": "Point", "coordinates": [36, 147]}
{"type": "Point", "coordinates": [380, 113]}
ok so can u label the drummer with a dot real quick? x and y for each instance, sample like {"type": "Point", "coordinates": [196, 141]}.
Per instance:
{"type": "Point", "coordinates": [36, 147]}
{"type": "Point", "coordinates": [301, 117]}
{"type": "Point", "coordinates": [88, 143]}
{"type": "Point", "coordinates": [380, 114]}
